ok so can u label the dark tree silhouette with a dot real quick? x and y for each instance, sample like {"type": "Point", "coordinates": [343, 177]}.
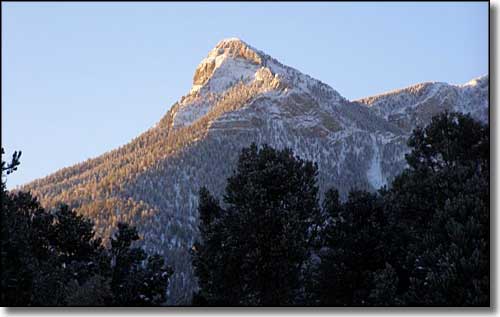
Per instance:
{"type": "Point", "coordinates": [253, 251]}
{"type": "Point", "coordinates": [54, 259]}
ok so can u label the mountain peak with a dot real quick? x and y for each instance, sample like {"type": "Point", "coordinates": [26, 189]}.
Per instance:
{"type": "Point", "coordinates": [237, 70]}
{"type": "Point", "coordinates": [235, 47]}
{"type": "Point", "coordinates": [230, 40]}
{"type": "Point", "coordinates": [237, 56]}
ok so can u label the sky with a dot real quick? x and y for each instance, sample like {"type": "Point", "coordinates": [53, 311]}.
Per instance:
{"type": "Point", "coordinates": [80, 79]}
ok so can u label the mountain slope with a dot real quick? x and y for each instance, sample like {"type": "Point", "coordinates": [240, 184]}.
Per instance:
{"type": "Point", "coordinates": [241, 95]}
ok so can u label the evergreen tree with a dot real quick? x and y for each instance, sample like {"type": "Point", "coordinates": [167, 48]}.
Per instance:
{"type": "Point", "coordinates": [54, 258]}
{"type": "Point", "coordinates": [443, 201]}
{"type": "Point", "coordinates": [353, 249]}
{"type": "Point", "coordinates": [424, 241]}
{"type": "Point", "coordinates": [24, 245]}
{"type": "Point", "coordinates": [133, 283]}
{"type": "Point", "coordinates": [207, 256]}
{"type": "Point", "coordinates": [254, 251]}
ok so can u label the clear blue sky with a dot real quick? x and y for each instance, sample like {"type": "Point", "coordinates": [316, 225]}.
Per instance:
{"type": "Point", "coordinates": [79, 79]}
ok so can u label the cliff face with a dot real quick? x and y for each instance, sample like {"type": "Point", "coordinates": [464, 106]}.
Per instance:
{"type": "Point", "coordinates": [241, 95]}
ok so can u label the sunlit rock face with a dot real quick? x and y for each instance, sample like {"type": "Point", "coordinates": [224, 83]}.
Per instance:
{"type": "Point", "coordinates": [236, 48]}
{"type": "Point", "coordinates": [233, 54]}
{"type": "Point", "coordinates": [241, 95]}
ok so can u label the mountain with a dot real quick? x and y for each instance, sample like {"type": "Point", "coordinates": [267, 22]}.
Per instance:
{"type": "Point", "coordinates": [241, 95]}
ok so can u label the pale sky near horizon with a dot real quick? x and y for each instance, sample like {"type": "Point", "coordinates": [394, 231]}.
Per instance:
{"type": "Point", "coordinates": [80, 79]}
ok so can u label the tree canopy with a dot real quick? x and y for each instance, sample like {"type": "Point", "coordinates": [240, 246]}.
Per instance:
{"type": "Point", "coordinates": [53, 258]}
{"type": "Point", "coordinates": [253, 250]}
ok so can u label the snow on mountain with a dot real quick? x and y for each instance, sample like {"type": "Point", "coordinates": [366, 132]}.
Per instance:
{"type": "Point", "coordinates": [233, 62]}
{"type": "Point", "coordinates": [241, 95]}
{"type": "Point", "coordinates": [414, 105]}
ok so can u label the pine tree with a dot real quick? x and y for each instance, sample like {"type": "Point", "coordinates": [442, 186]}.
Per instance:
{"type": "Point", "coordinates": [207, 255]}
{"type": "Point", "coordinates": [353, 249]}
{"type": "Point", "coordinates": [135, 284]}
{"type": "Point", "coordinates": [54, 258]}
{"type": "Point", "coordinates": [253, 251]}
{"type": "Point", "coordinates": [425, 240]}
{"type": "Point", "coordinates": [443, 198]}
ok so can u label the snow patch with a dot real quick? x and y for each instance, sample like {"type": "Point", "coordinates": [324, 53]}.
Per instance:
{"type": "Point", "coordinates": [374, 173]}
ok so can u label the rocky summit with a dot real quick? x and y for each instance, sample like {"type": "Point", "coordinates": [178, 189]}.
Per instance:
{"type": "Point", "coordinates": [241, 95]}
